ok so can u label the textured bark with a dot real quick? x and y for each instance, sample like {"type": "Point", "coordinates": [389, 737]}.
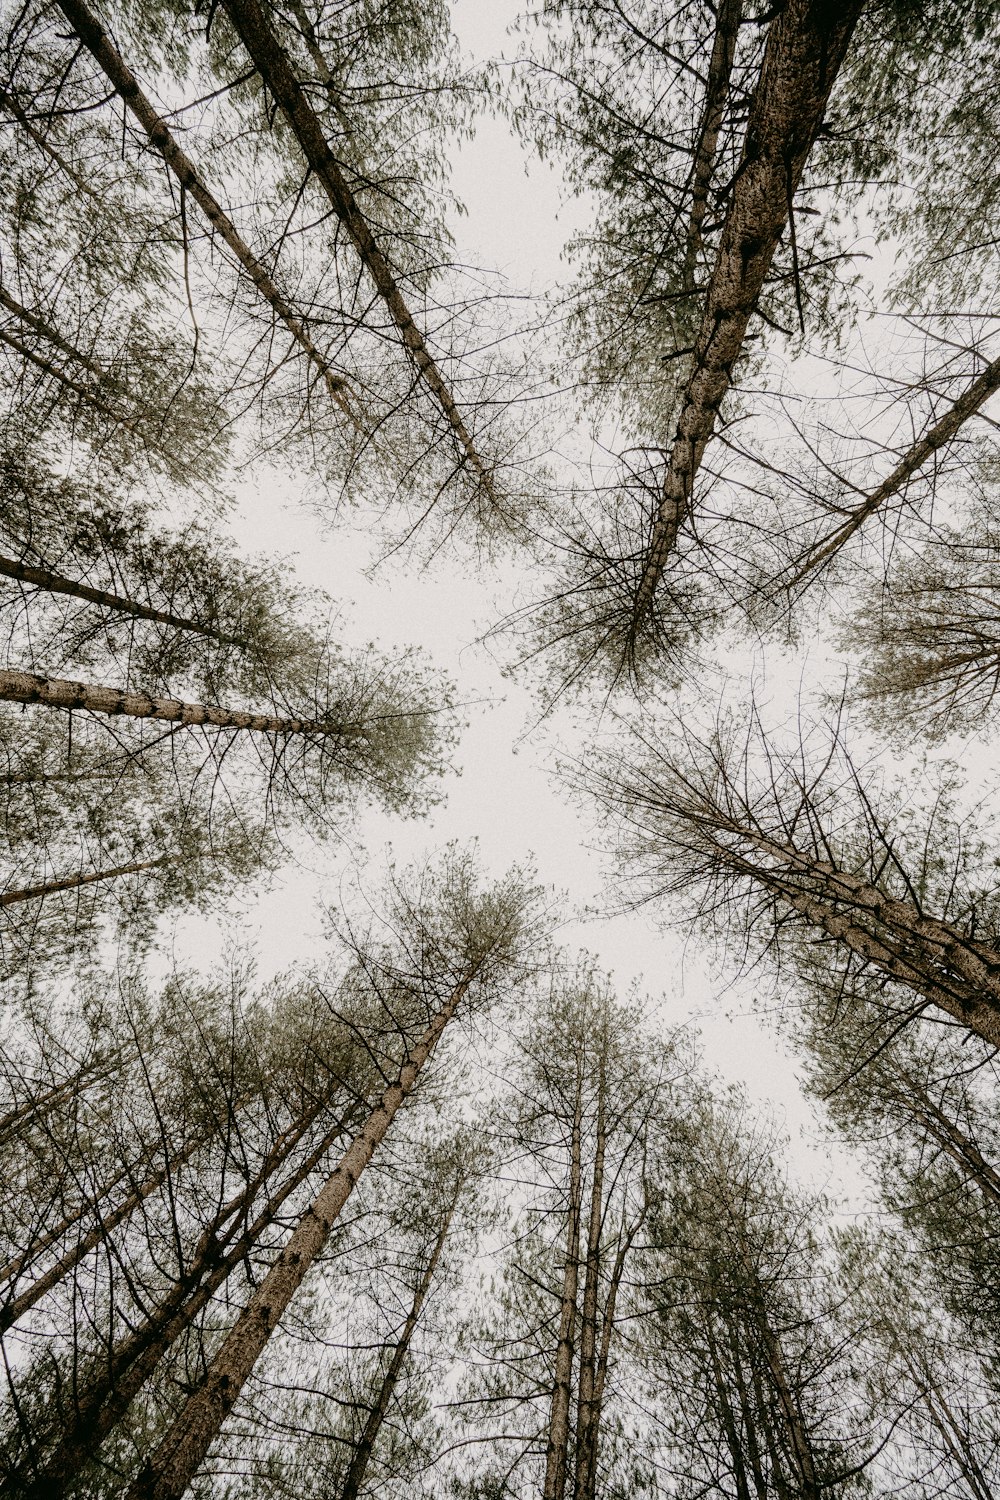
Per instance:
{"type": "Point", "coordinates": [272, 63]}
{"type": "Point", "coordinates": [806, 45]}
{"type": "Point", "coordinates": [73, 882]}
{"type": "Point", "coordinates": [168, 1473]}
{"type": "Point", "coordinates": [586, 1455]}
{"type": "Point", "coordinates": [105, 1400]}
{"type": "Point", "coordinates": [972, 398]}
{"type": "Point", "coordinates": [57, 583]}
{"type": "Point", "coordinates": [720, 68]}
{"type": "Point", "coordinates": [56, 692]}
{"type": "Point", "coordinates": [90, 31]}
{"type": "Point", "coordinates": [369, 1437]}
{"type": "Point", "coordinates": [557, 1445]}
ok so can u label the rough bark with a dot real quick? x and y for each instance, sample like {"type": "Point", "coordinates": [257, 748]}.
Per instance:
{"type": "Point", "coordinates": [171, 1468]}
{"type": "Point", "coordinates": [56, 692]}
{"type": "Point", "coordinates": [73, 882]}
{"type": "Point", "coordinates": [806, 45]}
{"type": "Point", "coordinates": [272, 63]}
{"type": "Point", "coordinates": [557, 1445]}
{"type": "Point", "coordinates": [720, 68]}
{"type": "Point", "coordinates": [976, 394]}
{"type": "Point", "coordinates": [584, 1477]}
{"type": "Point", "coordinates": [90, 31]}
{"type": "Point", "coordinates": [103, 1402]}
{"type": "Point", "coordinates": [57, 583]}
{"type": "Point", "coordinates": [369, 1437]}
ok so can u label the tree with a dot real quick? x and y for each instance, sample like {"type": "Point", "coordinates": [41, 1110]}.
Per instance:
{"type": "Point", "coordinates": [798, 842]}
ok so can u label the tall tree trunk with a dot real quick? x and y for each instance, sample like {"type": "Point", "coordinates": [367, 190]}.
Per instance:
{"type": "Point", "coordinates": [57, 583]}
{"type": "Point", "coordinates": [720, 68]}
{"type": "Point", "coordinates": [90, 31]}
{"type": "Point", "coordinates": [86, 393]}
{"type": "Point", "coordinates": [106, 1398]}
{"type": "Point", "coordinates": [11, 1311]}
{"type": "Point", "coordinates": [951, 1432]}
{"type": "Point", "coordinates": [749, 1418]}
{"type": "Point", "coordinates": [168, 1473]}
{"type": "Point", "coordinates": [73, 882]}
{"type": "Point", "coordinates": [13, 108]}
{"type": "Point", "coordinates": [56, 692]}
{"type": "Point", "coordinates": [271, 61]}
{"type": "Point", "coordinates": [806, 45]}
{"type": "Point", "coordinates": [728, 1418]}
{"type": "Point", "coordinates": [557, 1446]}
{"type": "Point", "coordinates": [953, 1142]}
{"type": "Point", "coordinates": [586, 1456]}
{"type": "Point", "coordinates": [604, 1352]}
{"type": "Point", "coordinates": [975, 395]}
{"type": "Point", "coordinates": [47, 332]}
{"type": "Point", "coordinates": [369, 1437]}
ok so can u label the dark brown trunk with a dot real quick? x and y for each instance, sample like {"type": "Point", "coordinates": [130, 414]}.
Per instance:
{"type": "Point", "coordinates": [720, 68]}
{"type": "Point", "coordinates": [105, 1400]}
{"type": "Point", "coordinates": [56, 583]}
{"type": "Point", "coordinates": [584, 1476]}
{"type": "Point", "coordinates": [73, 882]}
{"type": "Point", "coordinates": [557, 1445]}
{"type": "Point", "coordinates": [168, 1473]}
{"type": "Point", "coordinates": [806, 45]}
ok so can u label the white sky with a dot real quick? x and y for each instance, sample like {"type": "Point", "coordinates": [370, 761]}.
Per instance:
{"type": "Point", "coordinates": [505, 796]}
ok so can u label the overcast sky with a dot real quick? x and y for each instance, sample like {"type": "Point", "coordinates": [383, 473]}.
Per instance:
{"type": "Point", "coordinates": [505, 796]}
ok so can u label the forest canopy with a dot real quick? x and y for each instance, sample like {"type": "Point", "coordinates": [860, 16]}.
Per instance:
{"type": "Point", "coordinates": [500, 611]}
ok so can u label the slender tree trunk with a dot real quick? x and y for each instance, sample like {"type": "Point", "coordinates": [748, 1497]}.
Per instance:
{"type": "Point", "coordinates": [586, 1455]}
{"type": "Point", "coordinates": [69, 1088]}
{"type": "Point", "coordinates": [105, 1400]}
{"type": "Point", "coordinates": [56, 583]}
{"type": "Point", "coordinates": [90, 31]}
{"type": "Point", "coordinates": [953, 1142]}
{"type": "Point", "coordinates": [729, 1420]}
{"type": "Point", "coordinates": [806, 45]}
{"type": "Point", "coordinates": [604, 1352]}
{"type": "Point", "coordinates": [56, 692]}
{"type": "Point", "coordinates": [369, 1437]}
{"type": "Point", "coordinates": [975, 395]}
{"type": "Point", "coordinates": [557, 1447]}
{"type": "Point", "coordinates": [955, 1439]}
{"type": "Point", "coordinates": [168, 1473]}
{"type": "Point", "coordinates": [18, 1306]}
{"type": "Point", "coordinates": [13, 108]}
{"type": "Point", "coordinates": [271, 61]}
{"type": "Point", "coordinates": [86, 393]}
{"type": "Point", "coordinates": [720, 68]}
{"type": "Point", "coordinates": [50, 334]}
{"type": "Point", "coordinates": [73, 882]}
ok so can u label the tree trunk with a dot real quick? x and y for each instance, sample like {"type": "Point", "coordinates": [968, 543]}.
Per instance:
{"type": "Point", "coordinates": [96, 39]}
{"type": "Point", "coordinates": [56, 692]}
{"type": "Point", "coordinates": [123, 1372]}
{"type": "Point", "coordinates": [86, 392]}
{"type": "Point", "coordinates": [720, 68]}
{"type": "Point", "coordinates": [73, 882]}
{"type": "Point", "coordinates": [557, 1446]}
{"type": "Point", "coordinates": [952, 1141]}
{"type": "Point", "coordinates": [806, 45]}
{"type": "Point", "coordinates": [168, 1473]}
{"type": "Point", "coordinates": [48, 333]}
{"type": "Point", "coordinates": [604, 1353]}
{"type": "Point", "coordinates": [18, 1306]}
{"type": "Point", "coordinates": [586, 1455]}
{"type": "Point", "coordinates": [972, 398]}
{"type": "Point", "coordinates": [728, 1419]}
{"type": "Point", "coordinates": [269, 58]}
{"type": "Point", "coordinates": [366, 1444]}
{"type": "Point", "coordinates": [56, 583]}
